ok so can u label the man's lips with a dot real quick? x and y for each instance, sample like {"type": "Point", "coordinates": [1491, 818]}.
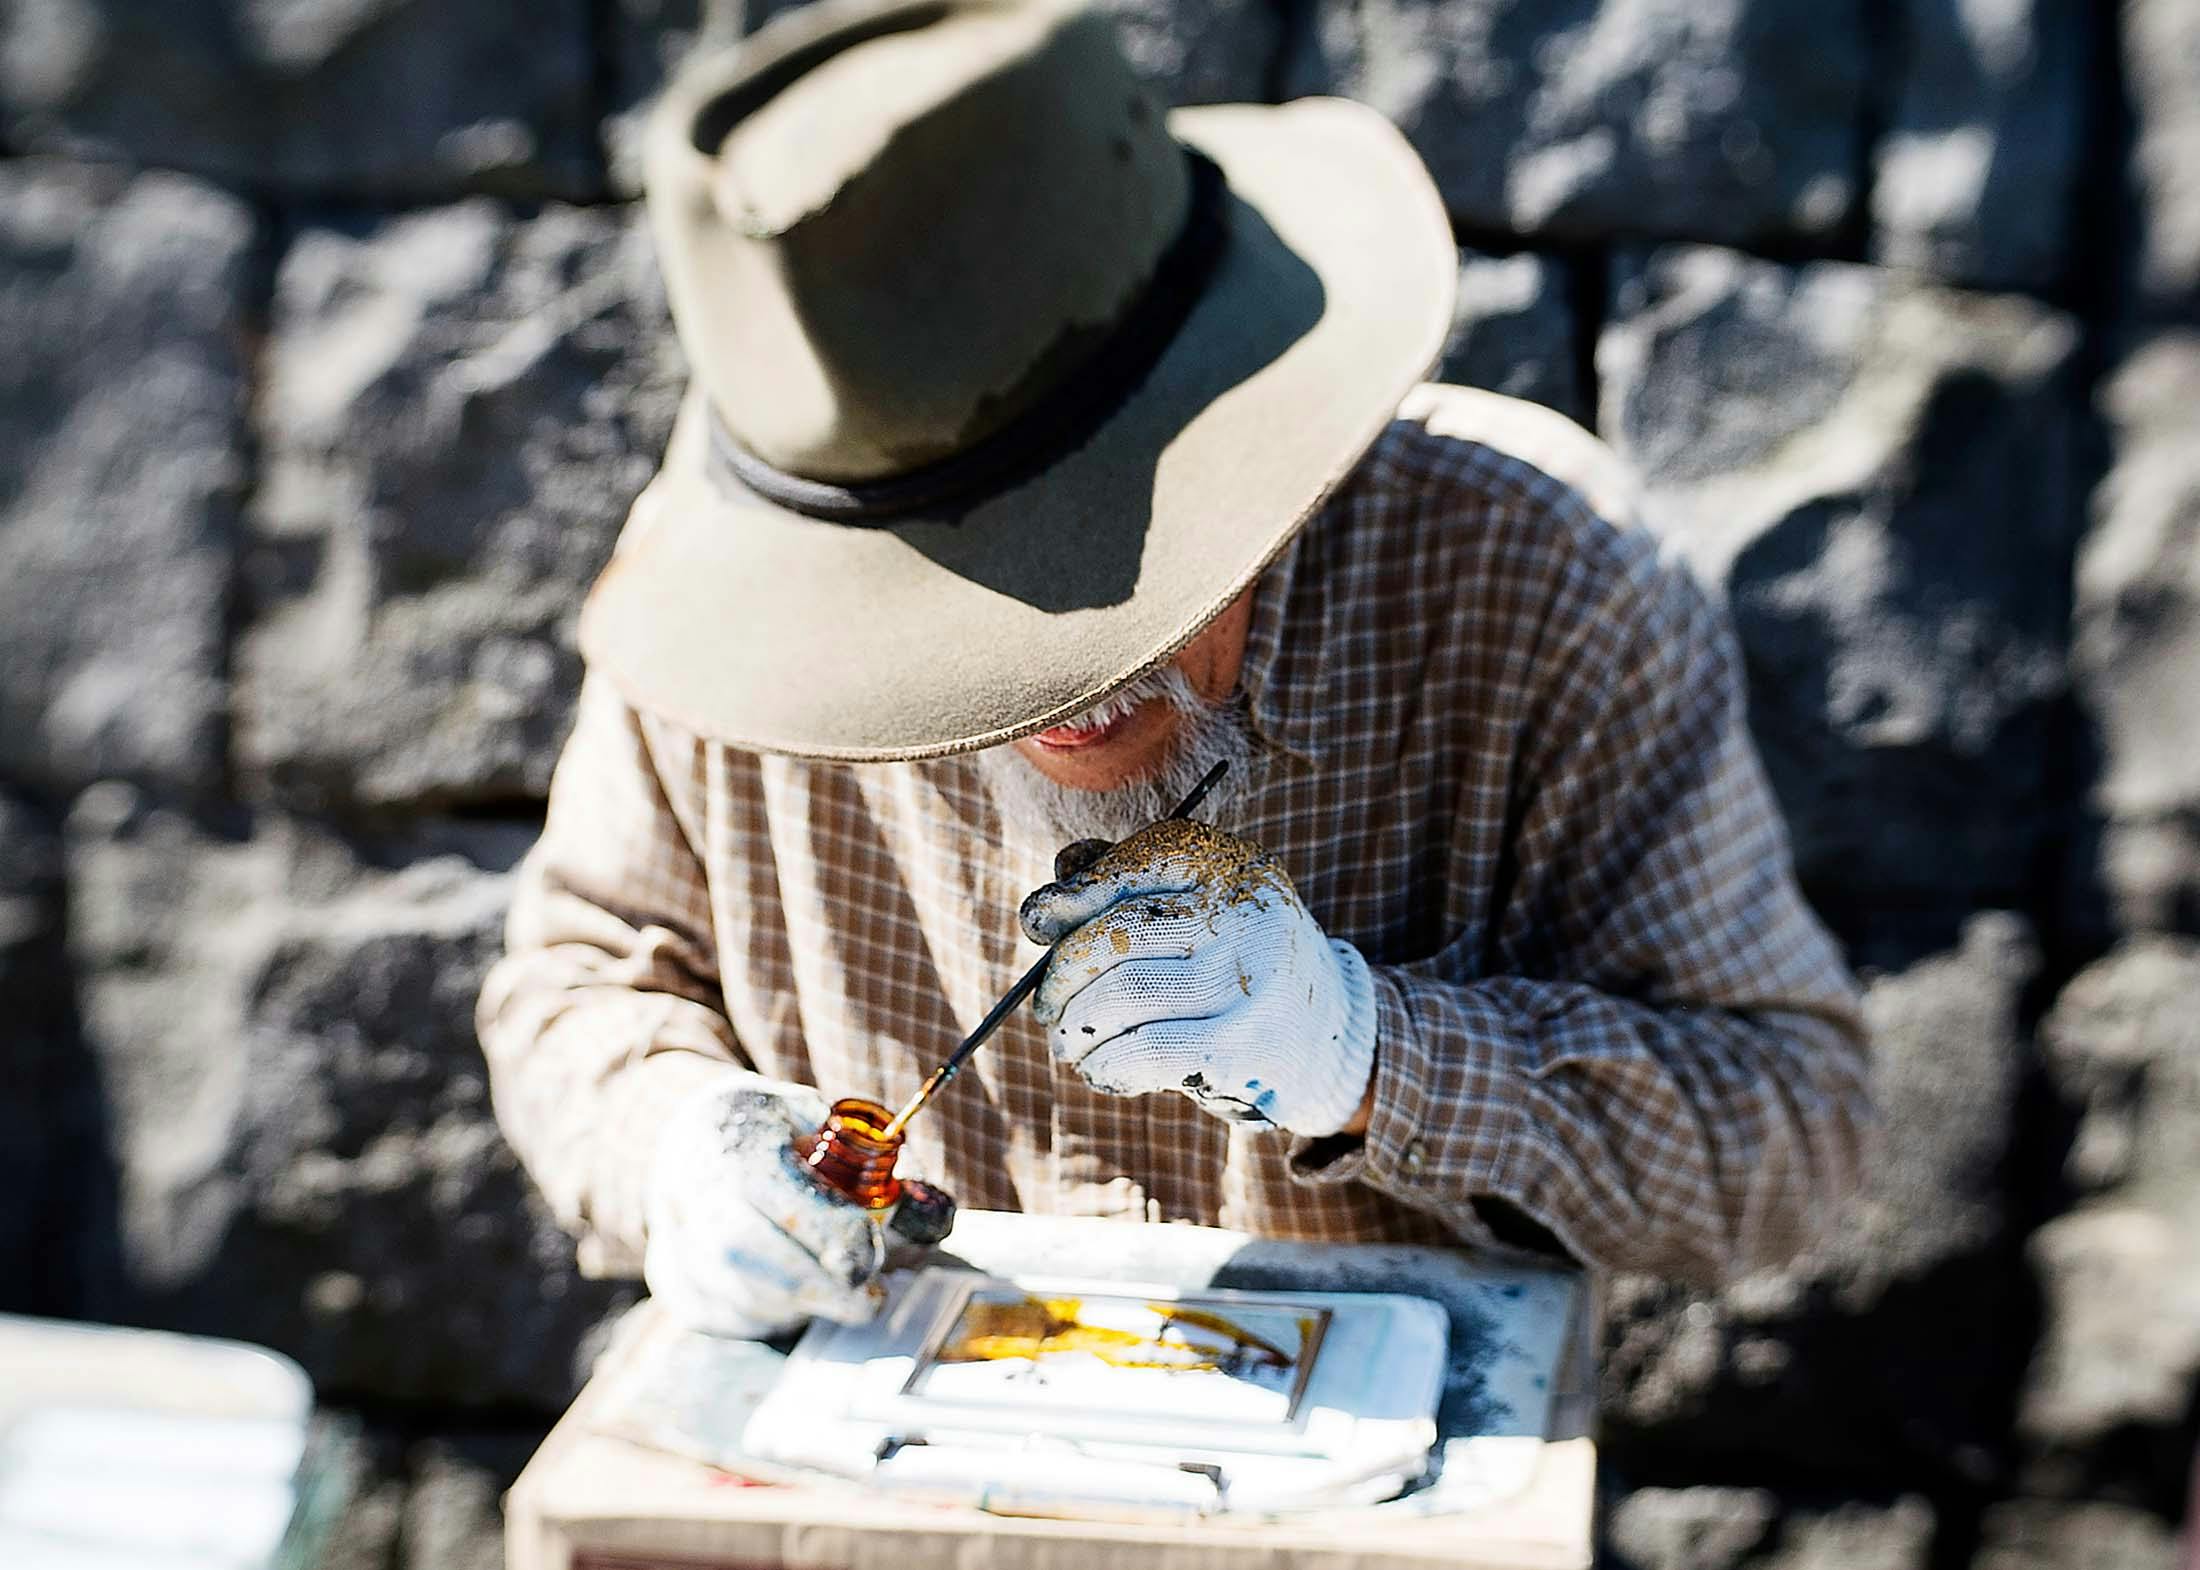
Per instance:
{"type": "Point", "coordinates": [1069, 738]}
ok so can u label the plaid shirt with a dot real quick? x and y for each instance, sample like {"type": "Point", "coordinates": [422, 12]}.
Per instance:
{"type": "Point", "coordinates": [1506, 757]}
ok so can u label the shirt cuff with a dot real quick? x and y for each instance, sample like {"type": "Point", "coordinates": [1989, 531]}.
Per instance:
{"type": "Point", "coordinates": [612, 1236]}
{"type": "Point", "coordinates": [1449, 1117]}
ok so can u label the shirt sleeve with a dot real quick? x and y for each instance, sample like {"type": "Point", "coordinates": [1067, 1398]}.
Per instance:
{"type": "Point", "coordinates": [606, 1007]}
{"type": "Point", "coordinates": [1669, 1074]}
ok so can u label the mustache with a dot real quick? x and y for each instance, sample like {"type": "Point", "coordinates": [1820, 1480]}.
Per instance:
{"type": "Point", "coordinates": [1031, 806]}
{"type": "Point", "coordinates": [1164, 682]}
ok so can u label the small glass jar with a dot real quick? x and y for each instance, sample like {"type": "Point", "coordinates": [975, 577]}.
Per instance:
{"type": "Point", "coordinates": [852, 1155]}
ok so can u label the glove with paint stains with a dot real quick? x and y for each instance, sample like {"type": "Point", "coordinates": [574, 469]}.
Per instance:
{"type": "Point", "coordinates": [741, 1242]}
{"type": "Point", "coordinates": [1185, 961]}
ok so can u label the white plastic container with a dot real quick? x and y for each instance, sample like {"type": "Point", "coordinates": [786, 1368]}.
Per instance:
{"type": "Point", "coordinates": [139, 1449]}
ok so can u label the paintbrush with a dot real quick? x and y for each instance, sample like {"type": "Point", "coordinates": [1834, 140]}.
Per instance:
{"type": "Point", "coordinates": [1022, 990]}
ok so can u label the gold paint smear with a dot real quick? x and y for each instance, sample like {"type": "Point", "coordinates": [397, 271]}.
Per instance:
{"type": "Point", "coordinates": [1036, 1327]}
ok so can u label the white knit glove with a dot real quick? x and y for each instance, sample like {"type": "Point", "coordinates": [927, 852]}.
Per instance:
{"type": "Point", "coordinates": [741, 1241]}
{"type": "Point", "coordinates": [1187, 962]}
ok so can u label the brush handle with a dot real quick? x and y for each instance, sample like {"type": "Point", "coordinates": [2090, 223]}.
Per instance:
{"type": "Point", "coordinates": [1028, 984]}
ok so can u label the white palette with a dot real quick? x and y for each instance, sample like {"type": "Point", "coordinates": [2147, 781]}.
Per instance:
{"type": "Point", "coordinates": [1047, 1393]}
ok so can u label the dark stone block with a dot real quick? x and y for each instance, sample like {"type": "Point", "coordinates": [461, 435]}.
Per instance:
{"type": "Point", "coordinates": [454, 1512]}
{"type": "Point", "coordinates": [646, 41]}
{"type": "Point", "coordinates": [389, 99]}
{"type": "Point", "coordinates": [43, 1154]}
{"type": "Point", "coordinates": [1977, 170]}
{"type": "Point", "coordinates": [2137, 646]}
{"type": "Point", "coordinates": [461, 404]}
{"type": "Point", "coordinates": [1202, 51]}
{"type": "Point", "coordinates": [1587, 118]}
{"type": "Point", "coordinates": [1892, 1350]}
{"type": "Point", "coordinates": [2161, 46]}
{"type": "Point", "coordinates": [1513, 331]}
{"type": "Point", "coordinates": [300, 1112]}
{"type": "Point", "coordinates": [122, 440]}
{"type": "Point", "coordinates": [1881, 479]}
{"type": "Point", "coordinates": [2114, 1393]}
{"type": "Point", "coordinates": [2038, 1534]}
{"type": "Point", "coordinates": [1756, 1529]}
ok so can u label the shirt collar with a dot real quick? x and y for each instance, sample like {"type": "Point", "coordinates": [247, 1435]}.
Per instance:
{"type": "Point", "coordinates": [1285, 666]}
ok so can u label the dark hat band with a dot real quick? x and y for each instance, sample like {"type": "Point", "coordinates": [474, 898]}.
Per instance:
{"type": "Point", "coordinates": [1056, 425]}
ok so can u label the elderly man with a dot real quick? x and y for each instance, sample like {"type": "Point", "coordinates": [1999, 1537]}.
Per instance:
{"type": "Point", "coordinates": [1043, 450]}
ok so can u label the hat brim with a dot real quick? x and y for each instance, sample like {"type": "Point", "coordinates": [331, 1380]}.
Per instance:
{"type": "Point", "coordinates": [767, 630]}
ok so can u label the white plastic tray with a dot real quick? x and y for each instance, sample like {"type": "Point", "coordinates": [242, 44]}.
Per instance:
{"type": "Point", "coordinates": [1154, 1399]}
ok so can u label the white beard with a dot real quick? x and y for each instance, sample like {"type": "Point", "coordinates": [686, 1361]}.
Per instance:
{"type": "Point", "coordinates": [1033, 806]}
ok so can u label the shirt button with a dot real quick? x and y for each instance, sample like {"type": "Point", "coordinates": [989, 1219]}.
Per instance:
{"type": "Point", "coordinates": [1416, 1157]}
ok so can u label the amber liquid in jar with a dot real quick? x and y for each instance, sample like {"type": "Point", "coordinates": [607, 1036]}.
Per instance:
{"type": "Point", "coordinates": [852, 1155]}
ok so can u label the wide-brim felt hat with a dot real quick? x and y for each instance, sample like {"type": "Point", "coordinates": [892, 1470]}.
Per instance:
{"type": "Point", "coordinates": [1005, 382]}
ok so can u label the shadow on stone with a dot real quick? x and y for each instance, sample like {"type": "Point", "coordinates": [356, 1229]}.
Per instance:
{"type": "Point", "coordinates": [58, 1236]}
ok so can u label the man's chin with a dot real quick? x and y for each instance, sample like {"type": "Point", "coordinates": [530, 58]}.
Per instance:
{"type": "Point", "coordinates": [1112, 788]}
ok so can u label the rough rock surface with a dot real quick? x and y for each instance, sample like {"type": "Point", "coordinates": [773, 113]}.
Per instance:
{"type": "Point", "coordinates": [364, 1535]}
{"type": "Point", "coordinates": [454, 1514]}
{"type": "Point", "coordinates": [646, 41]}
{"type": "Point", "coordinates": [461, 405]}
{"type": "Point", "coordinates": [1690, 1529]}
{"type": "Point", "coordinates": [1901, 1336]}
{"type": "Point", "coordinates": [2161, 47]}
{"type": "Point", "coordinates": [1976, 172]}
{"type": "Point", "coordinates": [300, 1116]}
{"type": "Point", "coordinates": [1512, 331]}
{"type": "Point", "coordinates": [1734, 121]}
{"type": "Point", "coordinates": [1880, 477]}
{"type": "Point", "coordinates": [2117, 1376]}
{"type": "Point", "coordinates": [2030, 1534]}
{"type": "Point", "coordinates": [1753, 1529]}
{"type": "Point", "coordinates": [384, 98]}
{"type": "Point", "coordinates": [1215, 52]}
{"type": "Point", "coordinates": [1211, 52]}
{"type": "Point", "coordinates": [2136, 651]}
{"type": "Point", "coordinates": [121, 459]}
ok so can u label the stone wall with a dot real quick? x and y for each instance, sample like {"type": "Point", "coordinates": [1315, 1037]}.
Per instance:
{"type": "Point", "coordinates": [335, 353]}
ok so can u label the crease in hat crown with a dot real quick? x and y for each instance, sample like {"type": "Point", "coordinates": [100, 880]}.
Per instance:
{"type": "Point", "coordinates": [889, 230]}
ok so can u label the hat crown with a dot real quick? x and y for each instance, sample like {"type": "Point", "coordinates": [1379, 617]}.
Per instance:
{"type": "Point", "coordinates": [888, 231]}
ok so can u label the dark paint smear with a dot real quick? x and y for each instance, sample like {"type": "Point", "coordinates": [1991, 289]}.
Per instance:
{"type": "Point", "coordinates": [1476, 1343]}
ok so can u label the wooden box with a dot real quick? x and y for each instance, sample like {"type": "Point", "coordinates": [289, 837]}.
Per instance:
{"type": "Point", "coordinates": [595, 1498]}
